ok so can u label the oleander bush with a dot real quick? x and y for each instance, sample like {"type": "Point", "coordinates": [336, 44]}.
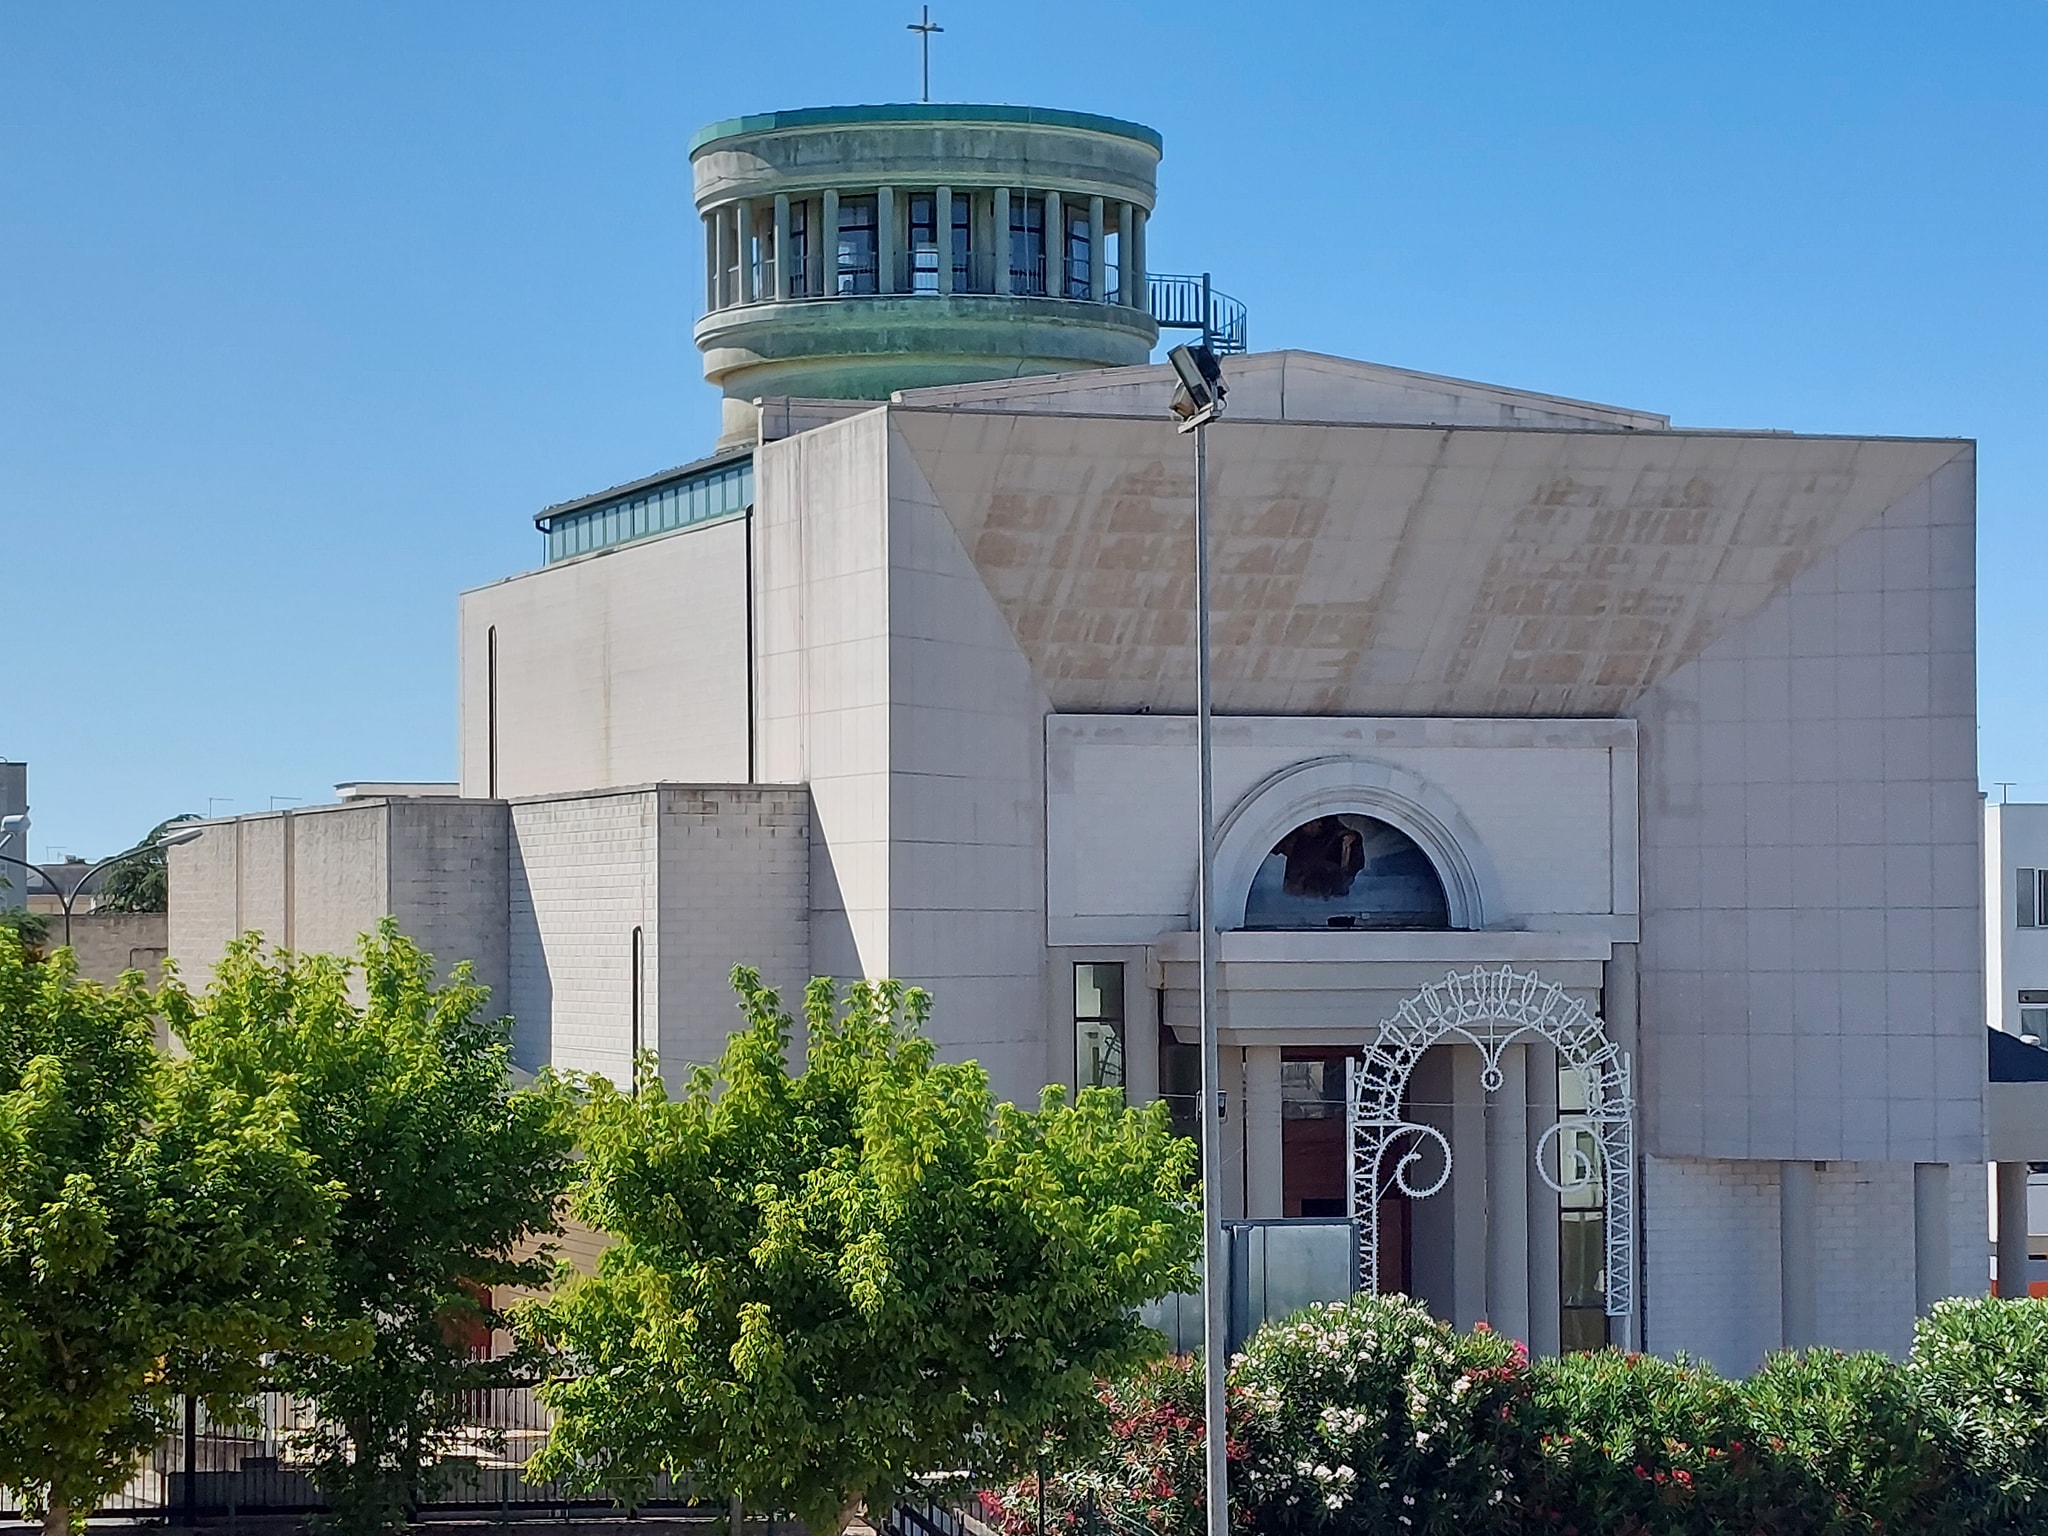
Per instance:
{"type": "Point", "coordinates": [1370, 1417]}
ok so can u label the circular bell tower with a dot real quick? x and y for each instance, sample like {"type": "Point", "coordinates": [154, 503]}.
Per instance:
{"type": "Point", "coordinates": [851, 252]}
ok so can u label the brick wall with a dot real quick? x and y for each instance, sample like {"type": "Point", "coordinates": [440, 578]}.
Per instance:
{"type": "Point", "coordinates": [582, 876]}
{"type": "Point", "coordinates": [735, 889]}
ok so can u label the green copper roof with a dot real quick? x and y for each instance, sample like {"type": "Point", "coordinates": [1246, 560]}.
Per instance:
{"type": "Point", "coordinates": [921, 112]}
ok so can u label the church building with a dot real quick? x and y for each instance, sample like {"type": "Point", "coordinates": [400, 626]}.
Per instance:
{"type": "Point", "coordinates": [1598, 824]}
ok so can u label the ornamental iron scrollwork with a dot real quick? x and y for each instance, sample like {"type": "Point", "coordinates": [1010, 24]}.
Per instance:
{"type": "Point", "coordinates": [1493, 1009]}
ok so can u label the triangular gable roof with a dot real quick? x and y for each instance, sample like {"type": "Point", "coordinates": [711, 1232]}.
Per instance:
{"type": "Point", "coordinates": [1293, 386]}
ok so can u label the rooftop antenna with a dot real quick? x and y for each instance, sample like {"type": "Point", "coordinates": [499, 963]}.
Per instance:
{"type": "Point", "coordinates": [2005, 789]}
{"type": "Point", "coordinates": [924, 30]}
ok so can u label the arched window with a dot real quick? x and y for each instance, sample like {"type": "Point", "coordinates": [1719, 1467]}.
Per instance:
{"type": "Point", "coordinates": [1346, 871]}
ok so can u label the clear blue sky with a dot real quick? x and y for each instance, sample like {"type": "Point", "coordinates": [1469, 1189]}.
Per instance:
{"type": "Point", "coordinates": [305, 310]}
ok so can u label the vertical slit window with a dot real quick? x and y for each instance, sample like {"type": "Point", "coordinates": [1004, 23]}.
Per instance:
{"type": "Point", "coordinates": [924, 242]}
{"type": "Point", "coordinates": [1098, 1024]}
{"type": "Point", "coordinates": [963, 241]}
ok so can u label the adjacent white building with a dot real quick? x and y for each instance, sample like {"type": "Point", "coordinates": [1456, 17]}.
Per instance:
{"type": "Point", "coordinates": [1599, 795]}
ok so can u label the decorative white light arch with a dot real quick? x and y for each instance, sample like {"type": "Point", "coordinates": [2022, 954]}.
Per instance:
{"type": "Point", "coordinates": [1492, 1009]}
{"type": "Point", "coordinates": [1324, 786]}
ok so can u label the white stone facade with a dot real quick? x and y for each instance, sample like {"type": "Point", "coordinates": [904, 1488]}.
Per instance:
{"type": "Point", "coordinates": [1682, 722]}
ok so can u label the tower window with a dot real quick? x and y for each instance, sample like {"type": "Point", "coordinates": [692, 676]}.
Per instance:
{"type": "Point", "coordinates": [924, 242]}
{"type": "Point", "coordinates": [799, 250]}
{"type": "Point", "coordinates": [963, 240]}
{"type": "Point", "coordinates": [1027, 244]}
{"type": "Point", "coordinates": [1080, 252]}
{"type": "Point", "coordinates": [1347, 871]}
{"type": "Point", "coordinates": [857, 245]}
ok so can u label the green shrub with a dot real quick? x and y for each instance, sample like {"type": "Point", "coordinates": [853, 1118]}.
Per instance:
{"type": "Point", "coordinates": [1850, 1444]}
{"type": "Point", "coordinates": [1983, 1366]}
{"type": "Point", "coordinates": [1370, 1415]}
{"type": "Point", "coordinates": [1628, 1444]}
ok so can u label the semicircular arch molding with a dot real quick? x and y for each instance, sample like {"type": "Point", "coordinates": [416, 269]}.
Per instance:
{"type": "Point", "coordinates": [1365, 786]}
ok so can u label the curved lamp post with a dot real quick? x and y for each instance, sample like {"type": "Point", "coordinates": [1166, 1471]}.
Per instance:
{"type": "Point", "coordinates": [12, 824]}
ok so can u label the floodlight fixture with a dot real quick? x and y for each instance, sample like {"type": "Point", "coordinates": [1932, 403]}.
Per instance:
{"type": "Point", "coordinates": [1199, 399]}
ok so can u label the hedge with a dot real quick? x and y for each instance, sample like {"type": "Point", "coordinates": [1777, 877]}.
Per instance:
{"type": "Point", "coordinates": [1371, 1417]}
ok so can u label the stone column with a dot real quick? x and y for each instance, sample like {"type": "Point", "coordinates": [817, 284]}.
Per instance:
{"type": "Point", "coordinates": [1621, 1008]}
{"type": "Point", "coordinates": [1134, 261]}
{"type": "Point", "coordinates": [942, 231]}
{"type": "Point", "coordinates": [999, 241]}
{"type": "Point", "coordinates": [828, 233]}
{"type": "Point", "coordinates": [1231, 1071]}
{"type": "Point", "coordinates": [782, 245]}
{"type": "Point", "coordinates": [1126, 235]}
{"type": "Point", "coordinates": [1507, 1202]}
{"type": "Point", "coordinates": [885, 240]}
{"type": "Point", "coordinates": [2012, 1230]}
{"type": "Point", "coordinates": [1798, 1255]}
{"type": "Point", "coordinates": [743, 247]}
{"type": "Point", "coordinates": [1055, 247]}
{"type": "Point", "coordinates": [711, 260]}
{"type": "Point", "coordinates": [1469, 1162]}
{"type": "Point", "coordinates": [1098, 252]}
{"type": "Point", "coordinates": [1546, 1299]}
{"type": "Point", "coordinates": [1262, 1122]}
{"type": "Point", "coordinates": [1141, 1047]}
{"type": "Point", "coordinates": [1930, 1235]}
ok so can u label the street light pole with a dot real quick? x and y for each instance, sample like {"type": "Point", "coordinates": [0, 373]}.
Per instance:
{"type": "Point", "coordinates": [1215, 1261]}
{"type": "Point", "coordinates": [1197, 402]}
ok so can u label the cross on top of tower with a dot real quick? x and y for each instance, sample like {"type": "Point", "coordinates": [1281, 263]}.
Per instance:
{"type": "Point", "coordinates": [924, 29]}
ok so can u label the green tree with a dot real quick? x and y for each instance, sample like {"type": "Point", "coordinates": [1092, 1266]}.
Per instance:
{"type": "Point", "coordinates": [31, 928]}
{"type": "Point", "coordinates": [827, 1283]}
{"type": "Point", "coordinates": [450, 1181]}
{"type": "Point", "coordinates": [143, 883]}
{"type": "Point", "coordinates": [159, 1231]}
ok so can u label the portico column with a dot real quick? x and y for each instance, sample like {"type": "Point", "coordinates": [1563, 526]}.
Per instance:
{"type": "Point", "coordinates": [1141, 1049]}
{"type": "Point", "coordinates": [1798, 1274]}
{"type": "Point", "coordinates": [1546, 1300]}
{"type": "Point", "coordinates": [1230, 1078]}
{"type": "Point", "coordinates": [999, 241]}
{"type": "Point", "coordinates": [1134, 260]}
{"type": "Point", "coordinates": [1055, 248]}
{"type": "Point", "coordinates": [1507, 1203]}
{"type": "Point", "coordinates": [782, 245]}
{"type": "Point", "coordinates": [743, 242]}
{"type": "Point", "coordinates": [830, 236]}
{"type": "Point", "coordinates": [1098, 246]}
{"type": "Point", "coordinates": [1620, 1005]}
{"type": "Point", "coordinates": [1468, 1187]}
{"type": "Point", "coordinates": [1930, 1235]}
{"type": "Point", "coordinates": [2012, 1230]}
{"type": "Point", "coordinates": [1126, 236]}
{"type": "Point", "coordinates": [885, 239]}
{"type": "Point", "coordinates": [1262, 1117]}
{"type": "Point", "coordinates": [942, 234]}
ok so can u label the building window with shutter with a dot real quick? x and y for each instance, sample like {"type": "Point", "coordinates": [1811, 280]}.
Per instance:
{"type": "Point", "coordinates": [2031, 891]}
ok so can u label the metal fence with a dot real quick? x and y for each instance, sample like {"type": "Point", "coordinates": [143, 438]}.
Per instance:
{"type": "Point", "coordinates": [262, 1462]}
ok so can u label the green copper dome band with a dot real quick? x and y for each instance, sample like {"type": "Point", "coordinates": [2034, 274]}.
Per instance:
{"type": "Point", "coordinates": [922, 112]}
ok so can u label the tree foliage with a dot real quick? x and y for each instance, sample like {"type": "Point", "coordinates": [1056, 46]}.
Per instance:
{"type": "Point", "coordinates": [160, 1228]}
{"type": "Point", "coordinates": [449, 1178]}
{"type": "Point", "coordinates": [142, 883]}
{"type": "Point", "coordinates": [829, 1282]}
